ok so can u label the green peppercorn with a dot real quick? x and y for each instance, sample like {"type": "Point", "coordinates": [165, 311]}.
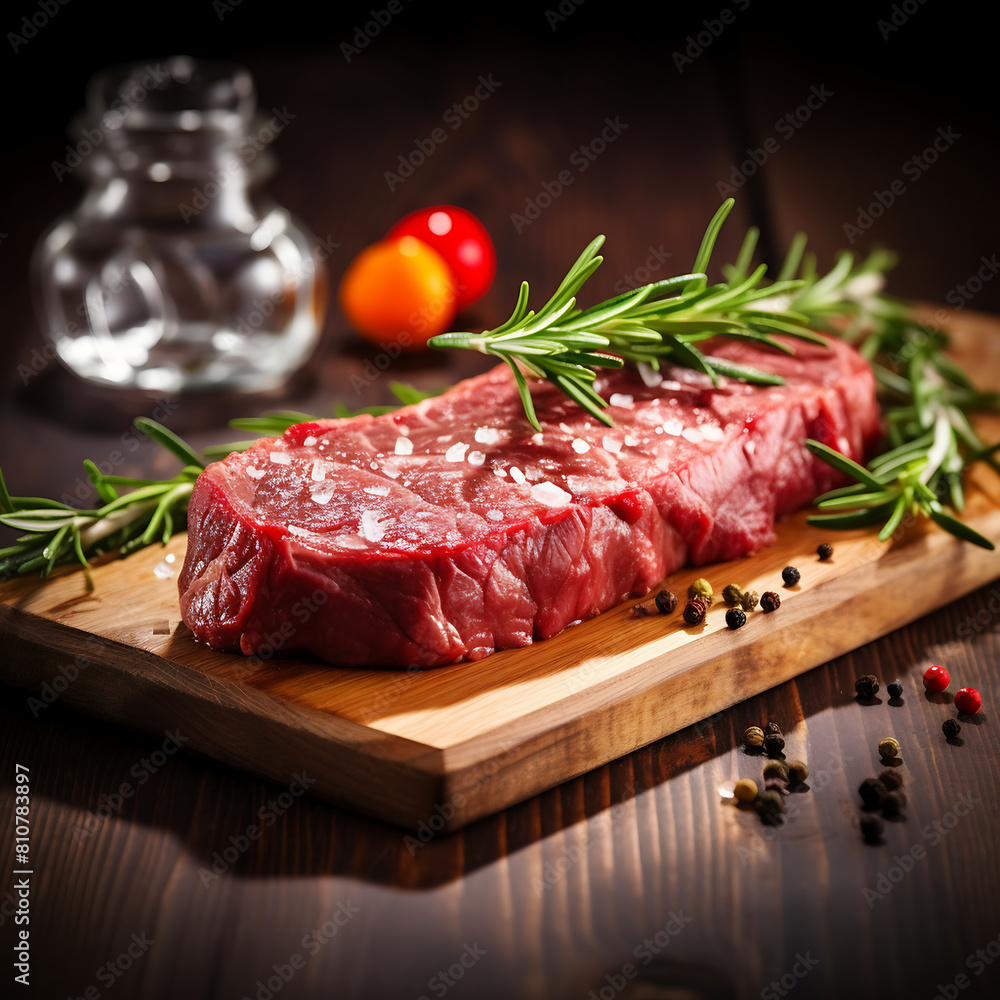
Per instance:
{"type": "Point", "coordinates": [770, 806]}
{"type": "Point", "coordinates": [776, 769]}
{"type": "Point", "coordinates": [753, 738]}
{"type": "Point", "coordinates": [872, 792]}
{"type": "Point", "coordinates": [824, 551]}
{"type": "Point", "coordinates": [701, 590]}
{"type": "Point", "coordinates": [694, 612]}
{"type": "Point", "coordinates": [666, 602]}
{"type": "Point", "coordinates": [951, 728]}
{"type": "Point", "coordinates": [797, 772]}
{"type": "Point", "coordinates": [749, 600]}
{"type": "Point", "coordinates": [735, 618]}
{"type": "Point", "coordinates": [889, 747]}
{"type": "Point", "coordinates": [745, 790]}
{"type": "Point", "coordinates": [872, 828]}
{"type": "Point", "coordinates": [774, 744]}
{"type": "Point", "coordinates": [891, 778]}
{"type": "Point", "coordinates": [769, 601]}
{"type": "Point", "coordinates": [866, 686]}
{"type": "Point", "coordinates": [731, 594]}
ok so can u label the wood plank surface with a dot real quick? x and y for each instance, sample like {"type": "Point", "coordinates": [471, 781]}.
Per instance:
{"type": "Point", "coordinates": [460, 742]}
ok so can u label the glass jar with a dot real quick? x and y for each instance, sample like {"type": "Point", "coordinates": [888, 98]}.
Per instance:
{"type": "Point", "coordinates": [176, 272]}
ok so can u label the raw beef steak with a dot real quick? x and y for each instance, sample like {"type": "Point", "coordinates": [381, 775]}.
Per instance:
{"type": "Point", "coordinates": [451, 529]}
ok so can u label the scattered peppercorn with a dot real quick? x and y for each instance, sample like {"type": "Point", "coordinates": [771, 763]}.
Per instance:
{"type": "Point", "coordinates": [936, 679]}
{"type": "Point", "coordinates": [770, 806]}
{"type": "Point", "coordinates": [950, 728]}
{"type": "Point", "coordinates": [745, 790]}
{"type": "Point", "coordinates": [773, 727]}
{"type": "Point", "coordinates": [889, 747]}
{"type": "Point", "coordinates": [641, 611]}
{"type": "Point", "coordinates": [797, 772]}
{"type": "Point", "coordinates": [872, 828]}
{"type": "Point", "coordinates": [790, 575]}
{"type": "Point", "coordinates": [892, 804]}
{"type": "Point", "coordinates": [735, 618]}
{"type": "Point", "coordinates": [891, 779]}
{"type": "Point", "coordinates": [770, 601]}
{"type": "Point", "coordinates": [731, 594]}
{"type": "Point", "coordinates": [824, 551]}
{"type": "Point", "coordinates": [968, 700]}
{"type": "Point", "coordinates": [895, 689]}
{"type": "Point", "coordinates": [694, 612]}
{"type": "Point", "coordinates": [666, 602]}
{"type": "Point", "coordinates": [701, 590]}
{"type": "Point", "coordinates": [776, 769]}
{"type": "Point", "coordinates": [774, 744]}
{"type": "Point", "coordinates": [866, 686]}
{"type": "Point", "coordinates": [872, 792]}
{"type": "Point", "coordinates": [749, 600]}
{"type": "Point", "coordinates": [753, 738]}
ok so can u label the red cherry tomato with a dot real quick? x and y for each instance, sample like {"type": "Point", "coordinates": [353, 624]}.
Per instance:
{"type": "Point", "coordinates": [936, 679]}
{"type": "Point", "coordinates": [463, 242]}
{"type": "Point", "coordinates": [968, 700]}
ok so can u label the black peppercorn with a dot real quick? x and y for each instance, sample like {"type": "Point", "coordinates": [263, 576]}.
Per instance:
{"type": "Point", "coordinates": [666, 602]}
{"type": "Point", "coordinates": [871, 828]}
{"type": "Point", "coordinates": [950, 728]}
{"type": "Point", "coordinates": [694, 612]}
{"type": "Point", "coordinates": [895, 689]}
{"type": "Point", "coordinates": [790, 575]}
{"type": "Point", "coordinates": [866, 686]}
{"type": "Point", "coordinates": [824, 551]}
{"type": "Point", "coordinates": [773, 727]}
{"type": "Point", "coordinates": [770, 601]}
{"type": "Point", "coordinates": [735, 618]}
{"type": "Point", "coordinates": [892, 780]}
{"type": "Point", "coordinates": [872, 792]}
{"type": "Point", "coordinates": [773, 744]}
{"type": "Point", "coordinates": [892, 804]}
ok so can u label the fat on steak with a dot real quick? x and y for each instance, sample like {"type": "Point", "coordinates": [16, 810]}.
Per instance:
{"type": "Point", "coordinates": [450, 529]}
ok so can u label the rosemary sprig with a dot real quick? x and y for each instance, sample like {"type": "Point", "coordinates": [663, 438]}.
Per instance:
{"type": "Point", "coordinates": [660, 322]}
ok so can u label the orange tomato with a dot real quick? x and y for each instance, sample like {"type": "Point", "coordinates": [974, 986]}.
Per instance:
{"type": "Point", "coordinates": [399, 290]}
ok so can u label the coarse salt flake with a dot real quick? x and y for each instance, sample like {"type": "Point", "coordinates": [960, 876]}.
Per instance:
{"type": "Point", "coordinates": [494, 515]}
{"type": "Point", "coordinates": [309, 441]}
{"type": "Point", "coordinates": [621, 399]}
{"type": "Point", "coordinates": [580, 446]}
{"type": "Point", "coordinates": [630, 441]}
{"type": "Point", "coordinates": [608, 443]}
{"type": "Point", "coordinates": [712, 432]}
{"type": "Point", "coordinates": [536, 438]}
{"type": "Point", "coordinates": [648, 375]}
{"type": "Point", "coordinates": [404, 446]}
{"type": "Point", "coordinates": [476, 458]}
{"type": "Point", "coordinates": [377, 491]}
{"type": "Point", "coordinates": [456, 453]}
{"type": "Point", "coordinates": [318, 471]}
{"type": "Point", "coordinates": [391, 471]}
{"type": "Point", "coordinates": [674, 426]}
{"type": "Point", "coordinates": [500, 473]}
{"type": "Point", "coordinates": [371, 527]}
{"type": "Point", "coordinates": [517, 475]}
{"type": "Point", "coordinates": [487, 435]}
{"type": "Point", "coordinates": [254, 473]}
{"type": "Point", "coordinates": [550, 494]}
{"type": "Point", "coordinates": [692, 434]}
{"type": "Point", "coordinates": [322, 496]}
{"type": "Point", "coordinates": [280, 458]}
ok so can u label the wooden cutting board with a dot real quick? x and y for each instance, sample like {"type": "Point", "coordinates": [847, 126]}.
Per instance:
{"type": "Point", "coordinates": [433, 750]}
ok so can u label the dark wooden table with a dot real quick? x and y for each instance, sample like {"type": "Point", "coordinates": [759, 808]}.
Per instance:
{"type": "Point", "coordinates": [635, 880]}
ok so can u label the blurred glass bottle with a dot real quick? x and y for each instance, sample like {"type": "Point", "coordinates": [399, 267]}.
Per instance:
{"type": "Point", "coordinates": [176, 272]}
